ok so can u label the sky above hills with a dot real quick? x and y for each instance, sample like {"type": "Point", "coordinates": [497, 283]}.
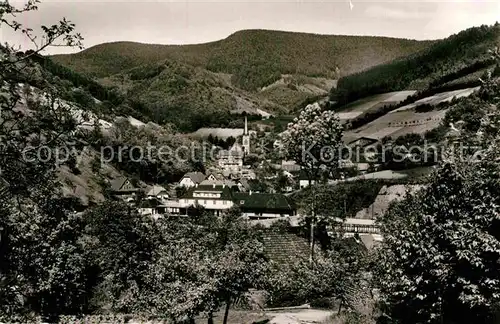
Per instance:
{"type": "Point", "coordinates": [188, 22]}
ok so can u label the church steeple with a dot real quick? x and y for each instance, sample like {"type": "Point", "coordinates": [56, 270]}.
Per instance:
{"type": "Point", "coordinates": [246, 138]}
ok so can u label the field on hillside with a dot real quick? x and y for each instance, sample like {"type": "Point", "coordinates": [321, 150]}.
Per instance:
{"type": "Point", "coordinates": [446, 60]}
{"type": "Point", "coordinates": [361, 106]}
{"type": "Point", "coordinates": [439, 98]}
{"type": "Point", "coordinates": [397, 124]}
{"type": "Point", "coordinates": [406, 119]}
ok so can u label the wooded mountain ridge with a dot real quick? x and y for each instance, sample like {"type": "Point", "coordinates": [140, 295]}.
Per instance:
{"type": "Point", "coordinates": [255, 58]}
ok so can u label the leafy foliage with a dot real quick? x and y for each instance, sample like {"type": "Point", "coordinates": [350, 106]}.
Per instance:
{"type": "Point", "coordinates": [47, 271]}
{"type": "Point", "coordinates": [313, 140]}
{"type": "Point", "coordinates": [335, 275]}
{"type": "Point", "coordinates": [202, 264]}
{"type": "Point", "coordinates": [119, 245]}
{"type": "Point", "coordinates": [43, 269]}
{"type": "Point", "coordinates": [439, 260]}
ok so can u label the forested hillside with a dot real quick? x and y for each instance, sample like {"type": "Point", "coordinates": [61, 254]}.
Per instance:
{"type": "Point", "coordinates": [193, 86]}
{"type": "Point", "coordinates": [452, 58]}
{"type": "Point", "coordinates": [182, 95]}
{"type": "Point", "coordinates": [255, 58]}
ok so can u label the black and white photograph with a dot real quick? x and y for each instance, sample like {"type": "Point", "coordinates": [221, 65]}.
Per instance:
{"type": "Point", "coordinates": [250, 161]}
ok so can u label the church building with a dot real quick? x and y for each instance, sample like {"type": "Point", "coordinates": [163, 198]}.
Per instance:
{"type": "Point", "coordinates": [232, 160]}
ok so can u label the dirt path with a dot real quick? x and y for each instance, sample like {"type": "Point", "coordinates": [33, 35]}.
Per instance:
{"type": "Point", "coordinates": [306, 316]}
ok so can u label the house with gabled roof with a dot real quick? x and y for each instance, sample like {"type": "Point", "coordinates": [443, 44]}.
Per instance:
{"type": "Point", "coordinates": [264, 205]}
{"type": "Point", "coordinates": [191, 179]}
{"type": "Point", "coordinates": [219, 196]}
{"type": "Point", "coordinates": [157, 192]}
{"type": "Point", "coordinates": [214, 196]}
{"type": "Point", "coordinates": [214, 176]}
{"type": "Point", "coordinates": [122, 186]}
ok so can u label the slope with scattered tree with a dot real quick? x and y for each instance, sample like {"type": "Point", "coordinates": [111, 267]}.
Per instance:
{"type": "Point", "coordinates": [454, 57]}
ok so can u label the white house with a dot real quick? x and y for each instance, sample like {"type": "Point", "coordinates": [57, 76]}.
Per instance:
{"type": "Point", "coordinates": [191, 179]}
{"type": "Point", "coordinates": [149, 207]}
{"type": "Point", "coordinates": [212, 195]}
{"type": "Point", "coordinates": [158, 192]}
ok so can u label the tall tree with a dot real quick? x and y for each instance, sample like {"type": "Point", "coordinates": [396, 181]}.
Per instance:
{"type": "Point", "coordinates": [440, 257]}
{"type": "Point", "coordinates": [313, 140]}
{"type": "Point", "coordinates": [41, 266]}
{"type": "Point", "coordinates": [202, 264]}
{"type": "Point", "coordinates": [439, 260]}
{"type": "Point", "coordinates": [120, 245]}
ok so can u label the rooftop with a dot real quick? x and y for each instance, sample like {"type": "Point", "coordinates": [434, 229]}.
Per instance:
{"type": "Point", "coordinates": [225, 191]}
{"type": "Point", "coordinates": [118, 183]}
{"type": "Point", "coordinates": [197, 177]}
{"type": "Point", "coordinates": [285, 247]}
{"type": "Point", "coordinates": [268, 201]}
{"type": "Point", "coordinates": [155, 190]}
{"type": "Point", "coordinates": [222, 133]}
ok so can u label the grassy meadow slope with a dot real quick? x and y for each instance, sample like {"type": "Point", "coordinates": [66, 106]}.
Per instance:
{"type": "Point", "coordinates": [453, 58]}
{"type": "Point", "coordinates": [255, 58]}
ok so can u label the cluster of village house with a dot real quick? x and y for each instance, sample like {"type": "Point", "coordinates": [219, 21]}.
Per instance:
{"type": "Point", "coordinates": [228, 186]}
{"type": "Point", "coordinates": [212, 191]}
{"type": "Point", "coordinates": [213, 195]}
{"type": "Point", "coordinates": [218, 190]}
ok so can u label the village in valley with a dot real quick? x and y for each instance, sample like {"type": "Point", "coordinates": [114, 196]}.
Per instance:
{"type": "Point", "coordinates": [230, 181]}
{"type": "Point", "coordinates": [267, 177]}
